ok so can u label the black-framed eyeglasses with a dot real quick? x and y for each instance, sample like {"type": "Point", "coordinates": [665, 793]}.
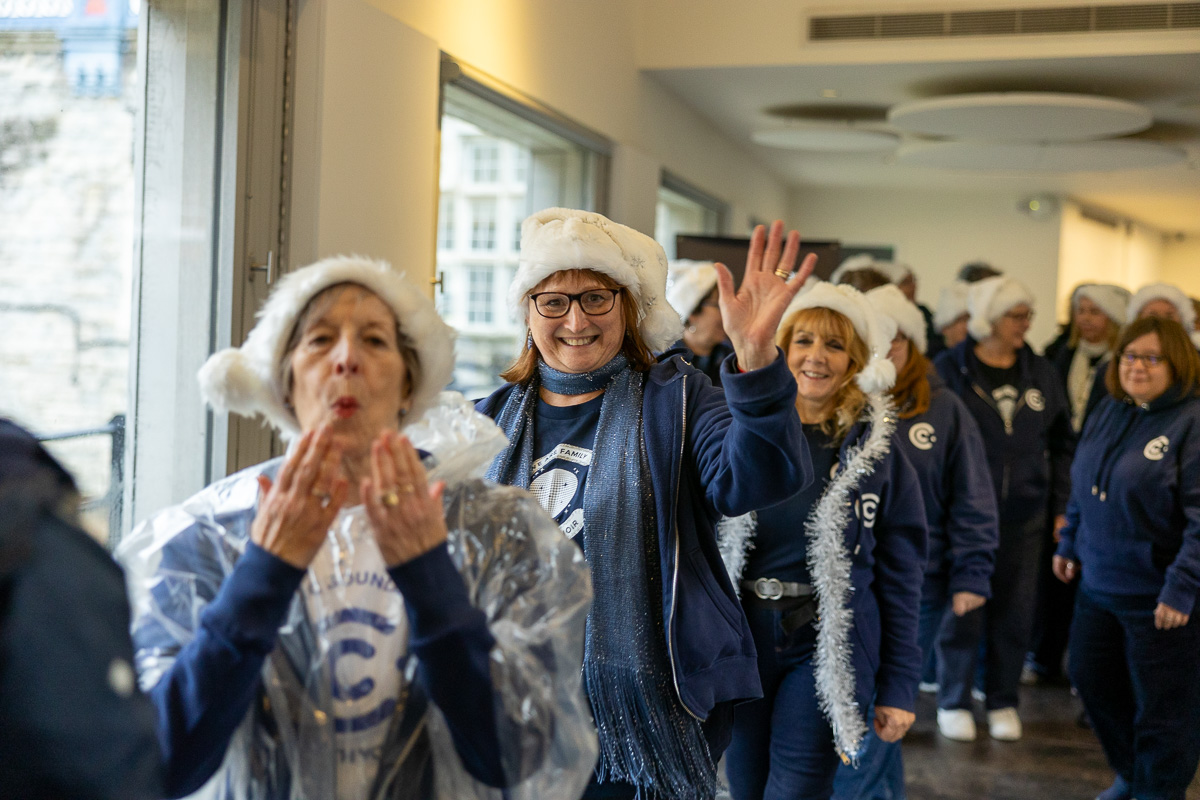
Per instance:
{"type": "Point", "coordinates": [593, 302]}
{"type": "Point", "coordinates": [1149, 359]}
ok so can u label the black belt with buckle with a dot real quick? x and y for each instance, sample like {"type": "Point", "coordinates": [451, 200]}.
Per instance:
{"type": "Point", "coordinates": [796, 600]}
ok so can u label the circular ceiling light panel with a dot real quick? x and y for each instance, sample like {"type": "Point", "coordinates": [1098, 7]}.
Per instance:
{"type": "Point", "coordinates": [827, 140]}
{"type": "Point", "coordinates": [1034, 157]}
{"type": "Point", "coordinates": [1022, 117]}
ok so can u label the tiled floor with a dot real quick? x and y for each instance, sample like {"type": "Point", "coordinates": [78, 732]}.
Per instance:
{"type": "Point", "coordinates": [1055, 760]}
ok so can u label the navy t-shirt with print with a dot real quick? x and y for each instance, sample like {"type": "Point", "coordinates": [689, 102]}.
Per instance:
{"type": "Point", "coordinates": [562, 456]}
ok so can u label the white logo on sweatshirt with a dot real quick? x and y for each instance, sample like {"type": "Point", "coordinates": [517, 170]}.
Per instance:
{"type": "Point", "coordinates": [866, 508]}
{"type": "Point", "coordinates": [922, 436]}
{"type": "Point", "coordinates": [1156, 448]}
{"type": "Point", "coordinates": [1035, 400]}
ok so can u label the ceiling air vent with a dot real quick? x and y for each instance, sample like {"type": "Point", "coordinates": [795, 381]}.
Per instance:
{"type": "Point", "coordinates": [1006, 22]}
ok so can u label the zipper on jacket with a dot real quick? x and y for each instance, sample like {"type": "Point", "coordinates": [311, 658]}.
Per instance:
{"type": "Point", "coordinates": [675, 571]}
{"type": "Point", "coordinates": [1008, 423]}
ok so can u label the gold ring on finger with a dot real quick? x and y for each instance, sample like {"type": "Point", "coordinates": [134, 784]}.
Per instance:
{"type": "Point", "coordinates": [390, 498]}
{"type": "Point", "coordinates": [783, 273]}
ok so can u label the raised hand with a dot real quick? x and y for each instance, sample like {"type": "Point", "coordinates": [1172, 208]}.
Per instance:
{"type": "Point", "coordinates": [405, 511]}
{"type": "Point", "coordinates": [296, 510]}
{"type": "Point", "coordinates": [751, 315]}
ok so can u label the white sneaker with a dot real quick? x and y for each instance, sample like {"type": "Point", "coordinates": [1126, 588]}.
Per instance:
{"type": "Point", "coordinates": [1004, 724]}
{"type": "Point", "coordinates": [957, 724]}
{"type": "Point", "coordinates": [928, 687]}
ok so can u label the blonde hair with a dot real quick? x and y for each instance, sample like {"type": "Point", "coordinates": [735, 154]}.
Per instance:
{"type": "Point", "coordinates": [849, 400]}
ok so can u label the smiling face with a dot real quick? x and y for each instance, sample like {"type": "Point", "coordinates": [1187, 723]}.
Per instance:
{"type": "Point", "coordinates": [576, 342]}
{"type": "Point", "coordinates": [1141, 381]}
{"type": "Point", "coordinates": [819, 357]}
{"type": "Point", "coordinates": [347, 367]}
{"type": "Point", "coordinates": [1091, 320]}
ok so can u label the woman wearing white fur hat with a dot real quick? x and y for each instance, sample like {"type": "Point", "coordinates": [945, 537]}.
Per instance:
{"type": "Point", "coordinates": [1168, 302]}
{"type": "Point", "coordinates": [941, 440]}
{"type": "Point", "coordinates": [850, 548]}
{"type": "Point", "coordinates": [637, 460]}
{"type": "Point", "coordinates": [1017, 400]}
{"type": "Point", "coordinates": [354, 620]}
{"type": "Point", "coordinates": [692, 291]}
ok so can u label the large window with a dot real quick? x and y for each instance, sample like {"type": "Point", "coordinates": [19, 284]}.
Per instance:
{"type": "Point", "coordinates": [502, 159]}
{"type": "Point", "coordinates": [69, 100]}
{"type": "Point", "coordinates": [683, 209]}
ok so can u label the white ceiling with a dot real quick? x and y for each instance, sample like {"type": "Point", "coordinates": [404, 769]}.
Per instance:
{"type": "Point", "coordinates": [735, 99]}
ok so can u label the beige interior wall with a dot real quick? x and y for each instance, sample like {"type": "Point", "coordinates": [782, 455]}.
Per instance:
{"type": "Point", "coordinates": [1181, 263]}
{"type": "Point", "coordinates": [581, 60]}
{"type": "Point", "coordinates": [937, 232]}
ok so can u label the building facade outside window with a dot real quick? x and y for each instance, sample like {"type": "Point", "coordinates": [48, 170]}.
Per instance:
{"type": "Point", "coordinates": [499, 163]}
{"type": "Point", "coordinates": [683, 209]}
{"type": "Point", "coordinates": [68, 102]}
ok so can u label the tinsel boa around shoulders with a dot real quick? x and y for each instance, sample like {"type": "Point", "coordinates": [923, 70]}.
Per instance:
{"type": "Point", "coordinates": [829, 568]}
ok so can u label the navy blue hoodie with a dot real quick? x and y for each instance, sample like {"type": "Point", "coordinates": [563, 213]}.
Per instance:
{"type": "Point", "coordinates": [711, 453]}
{"type": "Point", "coordinates": [946, 450]}
{"type": "Point", "coordinates": [1133, 523]}
{"type": "Point", "coordinates": [1030, 460]}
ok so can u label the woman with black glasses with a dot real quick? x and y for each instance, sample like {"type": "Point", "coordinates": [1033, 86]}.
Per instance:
{"type": "Point", "coordinates": [1133, 539]}
{"type": "Point", "coordinates": [637, 460]}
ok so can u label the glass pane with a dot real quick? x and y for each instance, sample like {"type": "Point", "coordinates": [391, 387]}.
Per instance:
{"type": "Point", "coordinates": [676, 214]}
{"type": "Point", "coordinates": [68, 100]}
{"type": "Point", "coordinates": [497, 168]}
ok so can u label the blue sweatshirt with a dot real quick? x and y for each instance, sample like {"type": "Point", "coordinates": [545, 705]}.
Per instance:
{"type": "Point", "coordinates": [1030, 455]}
{"type": "Point", "coordinates": [946, 450]}
{"type": "Point", "coordinates": [1133, 523]}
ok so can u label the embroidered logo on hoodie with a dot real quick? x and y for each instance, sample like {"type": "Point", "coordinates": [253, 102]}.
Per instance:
{"type": "Point", "coordinates": [1156, 448]}
{"type": "Point", "coordinates": [1035, 400]}
{"type": "Point", "coordinates": [866, 508]}
{"type": "Point", "coordinates": [922, 436]}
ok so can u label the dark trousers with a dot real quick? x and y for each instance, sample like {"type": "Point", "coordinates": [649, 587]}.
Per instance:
{"type": "Point", "coordinates": [782, 746]}
{"type": "Point", "coordinates": [1052, 622]}
{"type": "Point", "coordinates": [1141, 688]}
{"type": "Point", "coordinates": [1003, 624]}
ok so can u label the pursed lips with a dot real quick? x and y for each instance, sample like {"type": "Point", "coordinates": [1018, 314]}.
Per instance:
{"type": "Point", "coordinates": [345, 406]}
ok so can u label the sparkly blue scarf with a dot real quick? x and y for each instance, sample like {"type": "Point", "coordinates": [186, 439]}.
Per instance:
{"type": "Point", "coordinates": [647, 737]}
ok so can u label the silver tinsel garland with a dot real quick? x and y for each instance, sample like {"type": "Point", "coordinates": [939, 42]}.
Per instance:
{"type": "Point", "coordinates": [829, 570]}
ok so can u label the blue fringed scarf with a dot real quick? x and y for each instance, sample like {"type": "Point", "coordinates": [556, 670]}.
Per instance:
{"type": "Point", "coordinates": [647, 737]}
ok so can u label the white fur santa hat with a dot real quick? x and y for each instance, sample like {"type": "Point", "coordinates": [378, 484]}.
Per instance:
{"type": "Point", "coordinates": [891, 302]}
{"type": "Point", "coordinates": [1164, 291]}
{"type": "Point", "coordinates": [1113, 300]}
{"type": "Point", "coordinates": [877, 331]}
{"type": "Point", "coordinates": [689, 282]}
{"type": "Point", "coordinates": [850, 264]}
{"type": "Point", "coordinates": [989, 299]}
{"type": "Point", "coordinates": [558, 239]}
{"type": "Point", "coordinates": [249, 380]}
{"type": "Point", "coordinates": [896, 271]}
{"type": "Point", "coordinates": [952, 304]}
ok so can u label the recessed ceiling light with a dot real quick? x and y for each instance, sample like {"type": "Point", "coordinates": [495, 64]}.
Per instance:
{"type": "Point", "coordinates": [827, 139]}
{"type": "Point", "coordinates": [830, 93]}
{"type": "Point", "coordinates": [1022, 117]}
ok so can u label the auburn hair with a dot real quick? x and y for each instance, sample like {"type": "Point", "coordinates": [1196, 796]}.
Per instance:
{"type": "Point", "coordinates": [848, 400]}
{"type": "Point", "coordinates": [1177, 350]}
{"type": "Point", "coordinates": [912, 390]}
{"type": "Point", "coordinates": [633, 346]}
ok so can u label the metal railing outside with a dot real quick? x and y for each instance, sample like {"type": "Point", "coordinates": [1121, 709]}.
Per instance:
{"type": "Point", "coordinates": [111, 499]}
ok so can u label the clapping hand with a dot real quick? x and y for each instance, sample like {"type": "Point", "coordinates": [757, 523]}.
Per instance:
{"type": "Point", "coordinates": [405, 511]}
{"type": "Point", "coordinates": [752, 314]}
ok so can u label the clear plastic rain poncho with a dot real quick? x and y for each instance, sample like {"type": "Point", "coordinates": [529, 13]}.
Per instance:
{"type": "Point", "coordinates": [341, 662]}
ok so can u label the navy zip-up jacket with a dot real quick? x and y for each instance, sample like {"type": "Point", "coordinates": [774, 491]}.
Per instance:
{"type": "Point", "coordinates": [1133, 523]}
{"type": "Point", "coordinates": [887, 540]}
{"type": "Point", "coordinates": [946, 450]}
{"type": "Point", "coordinates": [1031, 461]}
{"type": "Point", "coordinates": [711, 453]}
